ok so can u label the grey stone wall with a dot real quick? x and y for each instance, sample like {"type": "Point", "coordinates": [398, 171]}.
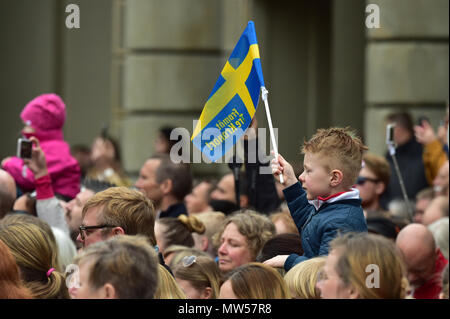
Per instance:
{"type": "Point", "coordinates": [168, 57]}
{"type": "Point", "coordinates": [406, 64]}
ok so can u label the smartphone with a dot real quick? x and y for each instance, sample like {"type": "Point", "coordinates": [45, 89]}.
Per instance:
{"type": "Point", "coordinates": [390, 133]}
{"type": "Point", "coordinates": [24, 148]}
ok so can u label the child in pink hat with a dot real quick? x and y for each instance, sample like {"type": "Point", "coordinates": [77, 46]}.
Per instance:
{"type": "Point", "coordinates": [44, 118]}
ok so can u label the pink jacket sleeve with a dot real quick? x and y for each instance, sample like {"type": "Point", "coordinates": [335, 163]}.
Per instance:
{"type": "Point", "coordinates": [14, 167]}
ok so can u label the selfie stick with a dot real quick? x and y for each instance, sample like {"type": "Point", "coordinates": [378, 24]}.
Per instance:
{"type": "Point", "coordinates": [391, 147]}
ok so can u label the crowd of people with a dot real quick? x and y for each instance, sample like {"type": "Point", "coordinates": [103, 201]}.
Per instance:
{"type": "Point", "coordinates": [74, 225]}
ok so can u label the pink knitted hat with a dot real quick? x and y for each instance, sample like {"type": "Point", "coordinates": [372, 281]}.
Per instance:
{"type": "Point", "coordinates": [45, 112]}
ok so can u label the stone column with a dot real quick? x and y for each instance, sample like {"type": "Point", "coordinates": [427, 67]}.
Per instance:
{"type": "Point", "coordinates": [406, 64]}
{"type": "Point", "coordinates": [166, 61]}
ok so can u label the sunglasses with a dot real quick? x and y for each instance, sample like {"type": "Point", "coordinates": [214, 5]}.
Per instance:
{"type": "Point", "coordinates": [362, 180]}
{"type": "Point", "coordinates": [187, 261]}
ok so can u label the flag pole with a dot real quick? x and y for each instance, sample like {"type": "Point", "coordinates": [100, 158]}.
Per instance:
{"type": "Point", "coordinates": [264, 94]}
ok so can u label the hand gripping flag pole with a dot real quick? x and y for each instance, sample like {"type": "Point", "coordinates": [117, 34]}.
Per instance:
{"type": "Point", "coordinates": [264, 94]}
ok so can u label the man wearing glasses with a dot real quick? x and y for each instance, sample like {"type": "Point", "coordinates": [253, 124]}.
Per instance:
{"type": "Point", "coordinates": [371, 183]}
{"type": "Point", "coordinates": [117, 211]}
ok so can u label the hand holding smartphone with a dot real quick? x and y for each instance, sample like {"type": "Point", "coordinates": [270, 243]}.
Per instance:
{"type": "Point", "coordinates": [24, 148]}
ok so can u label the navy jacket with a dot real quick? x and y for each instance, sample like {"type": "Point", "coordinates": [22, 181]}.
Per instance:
{"type": "Point", "coordinates": [174, 210]}
{"type": "Point", "coordinates": [318, 227]}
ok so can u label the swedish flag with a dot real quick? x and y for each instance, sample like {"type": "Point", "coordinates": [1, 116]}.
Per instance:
{"type": "Point", "coordinates": [233, 101]}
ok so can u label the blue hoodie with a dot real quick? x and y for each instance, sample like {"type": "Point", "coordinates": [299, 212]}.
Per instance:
{"type": "Point", "coordinates": [321, 220]}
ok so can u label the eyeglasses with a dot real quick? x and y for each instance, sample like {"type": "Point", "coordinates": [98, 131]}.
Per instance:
{"type": "Point", "coordinates": [187, 261]}
{"type": "Point", "coordinates": [361, 180]}
{"type": "Point", "coordinates": [84, 228]}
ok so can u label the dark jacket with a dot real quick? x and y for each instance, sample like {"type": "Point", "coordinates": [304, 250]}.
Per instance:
{"type": "Point", "coordinates": [174, 210]}
{"type": "Point", "coordinates": [318, 227]}
{"type": "Point", "coordinates": [410, 163]}
{"type": "Point", "coordinates": [262, 192]}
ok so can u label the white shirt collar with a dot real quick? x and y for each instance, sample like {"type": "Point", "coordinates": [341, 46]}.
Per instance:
{"type": "Point", "coordinates": [319, 201]}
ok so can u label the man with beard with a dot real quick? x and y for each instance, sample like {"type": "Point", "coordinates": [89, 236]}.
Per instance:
{"type": "Point", "coordinates": [424, 261]}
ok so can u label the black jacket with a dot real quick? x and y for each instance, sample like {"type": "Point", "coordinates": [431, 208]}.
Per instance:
{"type": "Point", "coordinates": [409, 159]}
{"type": "Point", "coordinates": [174, 211]}
{"type": "Point", "coordinates": [261, 188]}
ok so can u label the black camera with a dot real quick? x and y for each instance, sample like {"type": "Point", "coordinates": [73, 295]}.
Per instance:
{"type": "Point", "coordinates": [24, 148]}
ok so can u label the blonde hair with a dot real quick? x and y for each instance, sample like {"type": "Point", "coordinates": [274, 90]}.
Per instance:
{"type": "Point", "coordinates": [212, 221]}
{"type": "Point", "coordinates": [203, 273]}
{"type": "Point", "coordinates": [35, 255]}
{"type": "Point", "coordinates": [193, 224]}
{"type": "Point", "coordinates": [359, 250]}
{"type": "Point", "coordinates": [179, 252]}
{"type": "Point", "coordinates": [255, 227]}
{"type": "Point", "coordinates": [178, 230]}
{"type": "Point", "coordinates": [302, 278]}
{"type": "Point", "coordinates": [168, 287]}
{"type": "Point", "coordinates": [343, 149]}
{"type": "Point", "coordinates": [286, 218]}
{"type": "Point", "coordinates": [258, 281]}
{"type": "Point", "coordinates": [129, 263]}
{"type": "Point", "coordinates": [126, 208]}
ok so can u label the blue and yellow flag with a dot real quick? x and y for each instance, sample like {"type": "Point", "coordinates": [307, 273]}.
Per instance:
{"type": "Point", "coordinates": [233, 101]}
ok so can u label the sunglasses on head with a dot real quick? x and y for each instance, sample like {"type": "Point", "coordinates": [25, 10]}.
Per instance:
{"type": "Point", "coordinates": [362, 180]}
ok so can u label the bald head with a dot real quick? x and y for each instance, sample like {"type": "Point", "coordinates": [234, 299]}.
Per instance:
{"type": "Point", "coordinates": [418, 247]}
{"type": "Point", "coordinates": [8, 192]}
{"type": "Point", "coordinates": [415, 238]}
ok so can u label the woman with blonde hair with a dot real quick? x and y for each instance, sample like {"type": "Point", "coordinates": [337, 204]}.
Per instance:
{"type": "Point", "coordinates": [37, 259]}
{"type": "Point", "coordinates": [254, 281]}
{"type": "Point", "coordinates": [11, 286]}
{"type": "Point", "coordinates": [302, 278]}
{"type": "Point", "coordinates": [168, 288]}
{"type": "Point", "coordinates": [177, 231]}
{"type": "Point", "coordinates": [198, 277]}
{"type": "Point", "coordinates": [362, 266]}
{"type": "Point", "coordinates": [241, 238]}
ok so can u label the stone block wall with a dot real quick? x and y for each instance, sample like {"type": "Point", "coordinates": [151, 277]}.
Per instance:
{"type": "Point", "coordinates": [407, 62]}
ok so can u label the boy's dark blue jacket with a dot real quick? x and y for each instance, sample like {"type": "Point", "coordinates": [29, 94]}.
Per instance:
{"type": "Point", "coordinates": [318, 227]}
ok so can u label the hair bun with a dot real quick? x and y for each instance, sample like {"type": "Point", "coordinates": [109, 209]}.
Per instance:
{"type": "Point", "coordinates": [192, 223]}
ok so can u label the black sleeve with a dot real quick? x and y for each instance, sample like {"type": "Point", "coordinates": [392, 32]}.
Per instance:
{"type": "Point", "coordinates": [262, 192]}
